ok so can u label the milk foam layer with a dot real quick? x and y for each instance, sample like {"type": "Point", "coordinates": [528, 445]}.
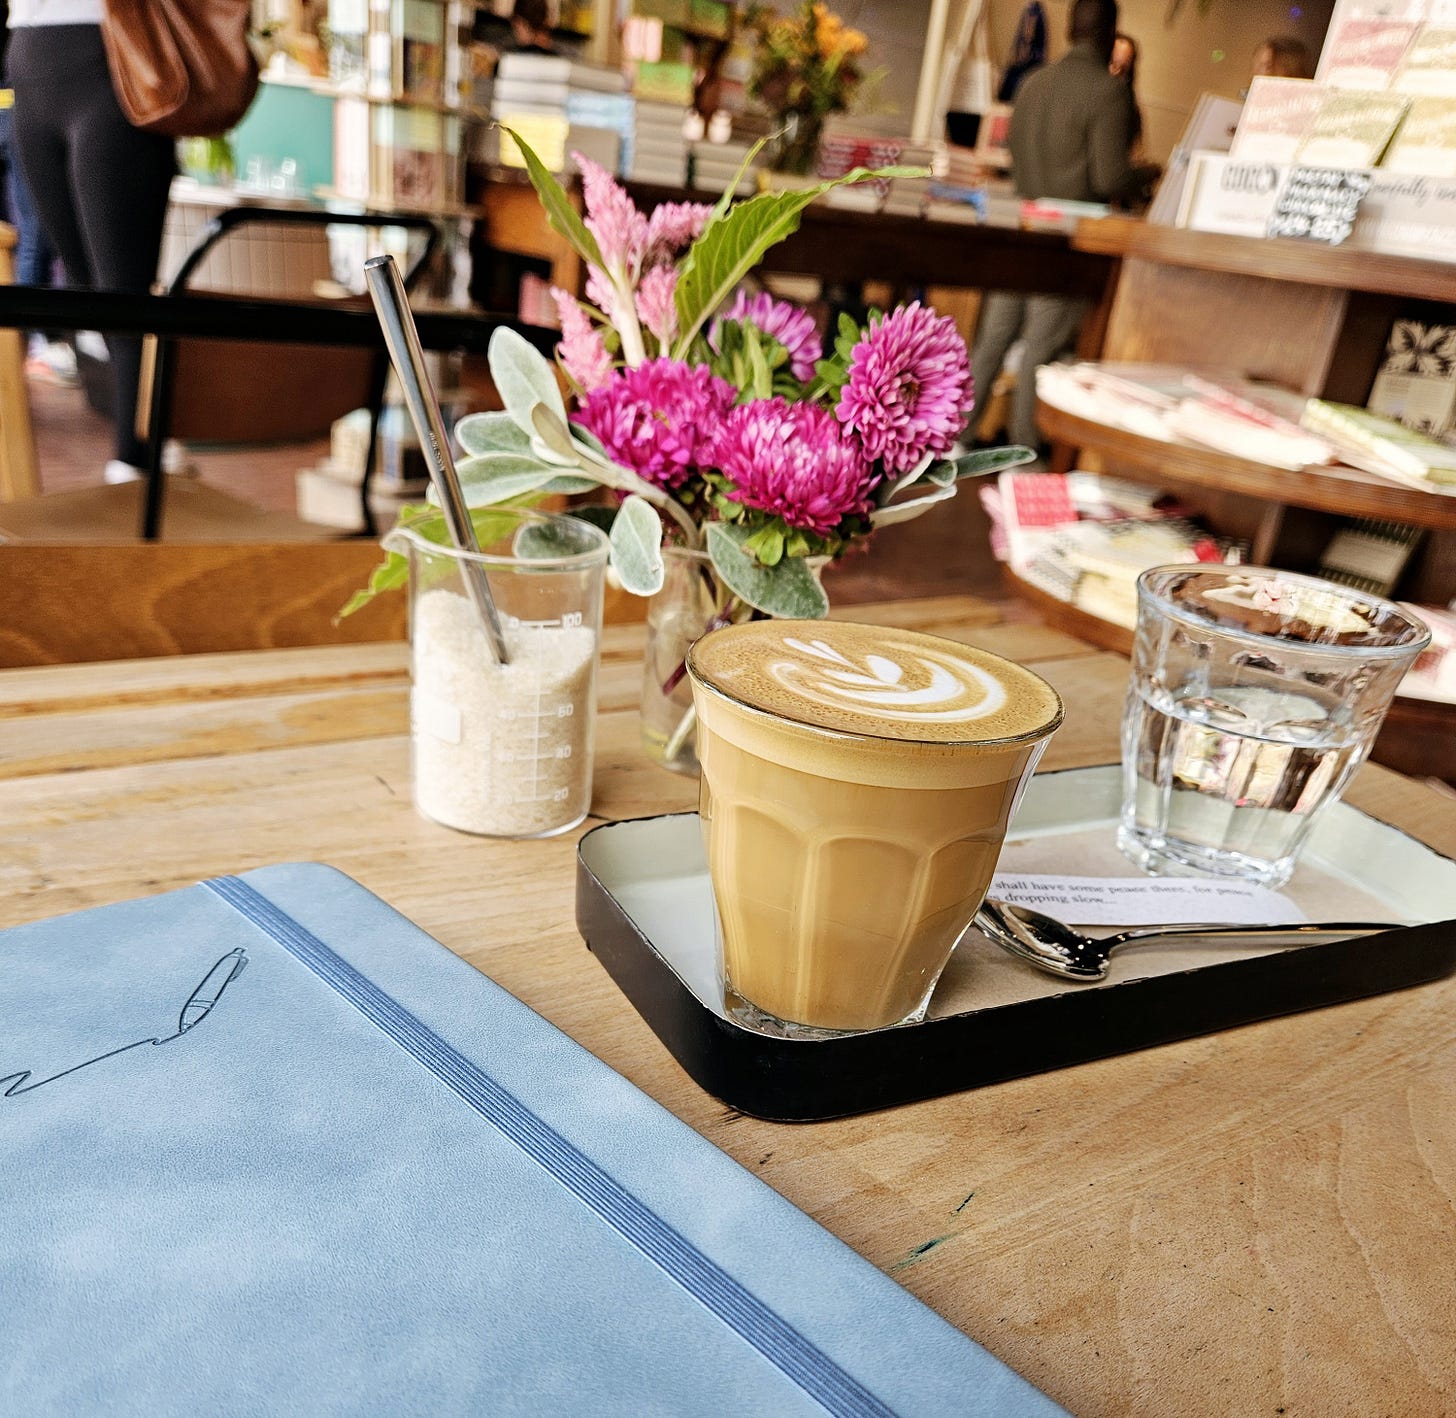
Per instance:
{"type": "Point", "coordinates": [875, 681]}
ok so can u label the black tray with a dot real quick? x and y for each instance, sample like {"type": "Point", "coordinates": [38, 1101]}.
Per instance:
{"type": "Point", "coordinates": [791, 1080]}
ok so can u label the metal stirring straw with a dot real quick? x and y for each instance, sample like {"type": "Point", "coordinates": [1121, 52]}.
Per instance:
{"type": "Point", "coordinates": [402, 339]}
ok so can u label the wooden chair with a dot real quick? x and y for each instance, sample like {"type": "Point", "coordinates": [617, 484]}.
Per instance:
{"type": "Point", "coordinates": [69, 604]}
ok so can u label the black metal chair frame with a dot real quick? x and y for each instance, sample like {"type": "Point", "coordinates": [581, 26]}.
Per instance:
{"type": "Point", "coordinates": [164, 370]}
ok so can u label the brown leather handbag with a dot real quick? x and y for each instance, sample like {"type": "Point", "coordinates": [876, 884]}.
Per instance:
{"type": "Point", "coordinates": [180, 67]}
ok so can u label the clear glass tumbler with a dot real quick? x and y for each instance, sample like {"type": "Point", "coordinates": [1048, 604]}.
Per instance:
{"type": "Point", "coordinates": [1255, 694]}
{"type": "Point", "coordinates": [505, 750]}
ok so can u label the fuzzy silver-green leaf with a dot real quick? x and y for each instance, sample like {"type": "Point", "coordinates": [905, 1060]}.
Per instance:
{"type": "Point", "coordinates": [789, 590]}
{"type": "Point", "coordinates": [637, 547]}
{"type": "Point", "coordinates": [523, 377]}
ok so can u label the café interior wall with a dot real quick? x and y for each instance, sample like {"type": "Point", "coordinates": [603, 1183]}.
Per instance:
{"type": "Point", "coordinates": [1199, 52]}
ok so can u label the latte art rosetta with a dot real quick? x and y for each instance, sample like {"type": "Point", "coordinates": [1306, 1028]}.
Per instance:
{"type": "Point", "coordinates": [925, 686]}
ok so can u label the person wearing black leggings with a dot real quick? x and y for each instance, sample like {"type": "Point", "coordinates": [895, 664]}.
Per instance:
{"type": "Point", "coordinates": [99, 184]}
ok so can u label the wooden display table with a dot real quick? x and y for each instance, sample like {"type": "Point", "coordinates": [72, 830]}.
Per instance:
{"type": "Point", "coordinates": [1249, 1221]}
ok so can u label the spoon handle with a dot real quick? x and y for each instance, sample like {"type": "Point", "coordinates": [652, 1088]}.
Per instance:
{"type": "Point", "coordinates": [1340, 928]}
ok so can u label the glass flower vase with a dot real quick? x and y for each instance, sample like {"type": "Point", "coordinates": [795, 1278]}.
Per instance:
{"type": "Point", "coordinates": [796, 150]}
{"type": "Point", "coordinates": [689, 604]}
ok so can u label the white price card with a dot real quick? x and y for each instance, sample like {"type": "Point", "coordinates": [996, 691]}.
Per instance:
{"type": "Point", "coordinates": [1146, 900]}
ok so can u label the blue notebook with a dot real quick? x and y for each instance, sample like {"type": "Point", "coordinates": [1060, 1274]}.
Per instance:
{"type": "Point", "coordinates": [270, 1149]}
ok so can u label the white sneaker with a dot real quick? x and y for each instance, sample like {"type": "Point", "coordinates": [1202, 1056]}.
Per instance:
{"type": "Point", "coordinates": [176, 462]}
{"type": "Point", "coordinates": [118, 472]}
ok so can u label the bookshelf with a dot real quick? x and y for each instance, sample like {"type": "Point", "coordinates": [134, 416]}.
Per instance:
{"type": "Point", "coordinates": [1346, 491]}
{"type": "Point", "coordinates": [1313, 319]}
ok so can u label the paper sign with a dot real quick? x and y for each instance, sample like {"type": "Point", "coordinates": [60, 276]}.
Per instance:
{"type": "Point", "coordinates": [1146, 901]}
{"type": "Point", "coordinates": [1319, 204]}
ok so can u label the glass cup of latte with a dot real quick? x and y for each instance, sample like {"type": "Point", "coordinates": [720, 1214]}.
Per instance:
{"type": "Point", "coordinates": [857, 782]}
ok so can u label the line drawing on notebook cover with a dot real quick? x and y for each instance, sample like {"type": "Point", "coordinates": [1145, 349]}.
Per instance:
{"type": "Point", "coordinates": [200, 1003]}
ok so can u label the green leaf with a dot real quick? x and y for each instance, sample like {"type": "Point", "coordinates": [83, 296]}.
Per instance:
{"type": "Point", "coordinates": [637, 546]}
{"type": "Point", "coordinates": [992, 460]}
{"type": "Point", "coordinates": [790, 589]}
{"type": "Point", "coordinates": [760, 380]}
{"type": "Point", "coordinates": [523, 377]}
{"type": "Point", "coordinates": [891, 486]}
{"type": "Point", "coordinates": [560, 213]}
{"type": "Point", "coordinates": [552, 440]}
{"type": "Point", "coordinates": [390, 575]}
{"type": "Point", "coordinates": [484, 434]}
{"type": "Point", "coordinates": [590, 439]}
{"type": "Point", "coordinates": [731, 190]}
{"type": "Point", "coordinates": [911, 508]}
{"type": "Point", "coordinates": [498, 477]}
{"type": "Point", "coordinates": [732, 246]}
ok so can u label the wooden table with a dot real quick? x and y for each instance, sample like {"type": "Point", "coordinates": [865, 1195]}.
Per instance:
{"type": "Point", "coordinates": [1251, 1223]}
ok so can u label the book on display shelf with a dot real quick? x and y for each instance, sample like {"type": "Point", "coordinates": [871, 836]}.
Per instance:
{"type": "Point", "coordinates": [1277, 116]}
{"type": "Point", "coordinates": [1425, 143]}
{"type": "Point", "coordinates": [1352, 130]}
{"type": "Point", "coordinates": [1429, 66]}
{"type": "Point", "coordinates": [1384, 445]}
{"type": "Point", "coordinates": [1416, 381]}
{"type": "Point", "coordinates": [1369, 553]}
{"type": "Point", "coordinates": [1363, 51]}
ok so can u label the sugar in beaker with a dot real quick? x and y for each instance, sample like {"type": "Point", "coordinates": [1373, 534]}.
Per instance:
{"type": "Point", "coordinates": [504, 750]}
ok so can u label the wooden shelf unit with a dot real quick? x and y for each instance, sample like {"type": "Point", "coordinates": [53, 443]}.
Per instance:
{"type": "Point", "coordinates": [1346, 491]}
{"type": "Point", "coordinates": [1308, 317]}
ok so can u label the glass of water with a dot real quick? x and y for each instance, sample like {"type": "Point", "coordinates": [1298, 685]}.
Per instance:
{"type": "Point", "coordinates": [1255, 694]}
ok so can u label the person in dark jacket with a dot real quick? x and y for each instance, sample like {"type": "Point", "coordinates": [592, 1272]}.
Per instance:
{"type": "Point", "coordinates": [1071, 131]}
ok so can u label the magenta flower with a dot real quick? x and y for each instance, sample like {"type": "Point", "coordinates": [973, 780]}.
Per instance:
{"type": "Point", "coordinates": [658, 419]}
{"type": "Point", "coordinates": [611, 217]}
{"type": "Point", "coordinates": [581, 348]}
{"type": "Point", "coordinates": [794, 461]}
{"type": "Point", "coordinates": [674, 226]}
{"type": "Point", "coordinates": [909, 390]}
{"type": "Point", "coordinates": [655, 303]}
{"type": "Point", "coordinates": [791, 325]}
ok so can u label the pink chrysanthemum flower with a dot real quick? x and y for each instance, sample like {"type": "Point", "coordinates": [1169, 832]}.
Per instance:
{"type": "Point", "coordinates": [581, 349]}
{"type": "Point", "coordinates": [655, 304]}
{"type": "Point", "coordinates": [793, 460]}
{"type": "Point", "coordinates": [659, 418]}
{"type": "Point", "coordinates": [674, 226]}
{"type": "Point", "coordinates": [791, 325]}
{"type": "Point", "coordinates": [611, 217]}
{"type": "Point", "coordinates": [909, 390]}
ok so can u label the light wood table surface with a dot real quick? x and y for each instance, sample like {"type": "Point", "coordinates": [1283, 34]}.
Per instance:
{"type": "Point", "coordinates": [1252, 1223]}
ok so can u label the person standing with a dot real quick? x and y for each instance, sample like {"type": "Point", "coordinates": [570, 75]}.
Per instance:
{"type": "Point", "coordinates": [1071, 130]}
{"type": "Point", "coordinates": [100, 185]}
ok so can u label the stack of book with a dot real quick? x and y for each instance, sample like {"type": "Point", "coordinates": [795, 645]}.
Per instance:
{"type": "Point", "coordinates": [1384, 445]}
{"type": "Point", "coordinates": [1085, 539]}
{"type": "Point", "coordinates": [560, 105]}
{"type": "Point", "coordinates": [947, 201]}
{"type": "Point", "coordinates": [659, 148]}
{"type": "Point", "coordinates": [716, 165]}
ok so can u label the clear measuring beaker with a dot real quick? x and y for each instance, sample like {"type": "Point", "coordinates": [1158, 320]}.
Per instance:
{"type": "Point", "coordinates": [504, 750]}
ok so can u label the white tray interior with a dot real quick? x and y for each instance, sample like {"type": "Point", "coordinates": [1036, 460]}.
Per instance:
{"type": "Point", "coordinates": [1354, 868]}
